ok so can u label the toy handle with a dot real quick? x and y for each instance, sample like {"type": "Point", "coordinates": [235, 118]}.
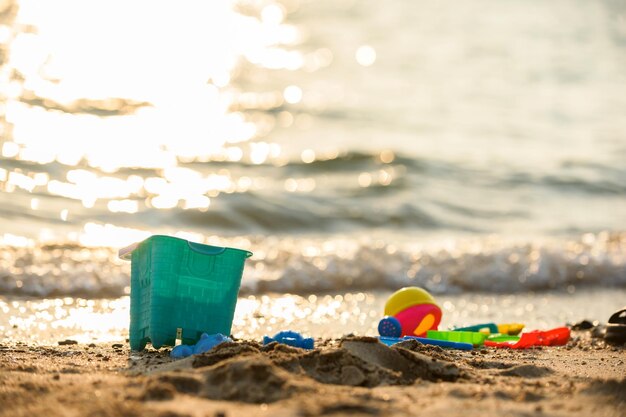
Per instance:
{"type": "Point", "coordinates": [206, 249]}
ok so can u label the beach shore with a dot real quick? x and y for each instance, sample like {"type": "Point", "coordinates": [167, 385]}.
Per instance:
{"type": "Point", "coordinates": [348, 376]}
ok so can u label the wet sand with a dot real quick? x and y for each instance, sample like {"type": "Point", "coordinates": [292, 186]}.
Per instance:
{"type": "Point", "coordinates": [348, 376]}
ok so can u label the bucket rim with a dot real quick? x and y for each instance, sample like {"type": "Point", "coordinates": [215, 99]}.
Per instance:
{"type": "Point", "coordinates": [126, 252]}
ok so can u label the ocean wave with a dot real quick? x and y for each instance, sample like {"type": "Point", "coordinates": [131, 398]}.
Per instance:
{"type": "Point", "coordinates": [588, 178]}
{"type": "Point", "coordinates": [347, 192]}
{"type": "Point", "coordinates": [283, 213]}
{"type": "Point", "coordinates": [320, 265]}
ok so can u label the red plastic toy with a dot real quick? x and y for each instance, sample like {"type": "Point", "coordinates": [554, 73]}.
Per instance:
{"type": "Point", "coordinates": [555, 337]}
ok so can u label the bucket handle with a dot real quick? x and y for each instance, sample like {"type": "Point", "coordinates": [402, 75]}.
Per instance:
{"type": "Point", "coordinates": [126, 253]}
{"type": "Point", "coordinates": [206, 249]}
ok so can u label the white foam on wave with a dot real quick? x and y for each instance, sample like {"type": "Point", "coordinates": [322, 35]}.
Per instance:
{"type": "Point", "coordinates": [336, 264]}
{"type": "Point", "coordinates": [478, 264]}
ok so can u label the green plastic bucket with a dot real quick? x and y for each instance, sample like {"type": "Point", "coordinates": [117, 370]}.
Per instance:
{"type": "Point", "coordinates": [180, 285]}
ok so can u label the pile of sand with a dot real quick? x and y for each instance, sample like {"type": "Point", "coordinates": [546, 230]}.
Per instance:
{"type": "Point", "coordinates": [252, 373]}
{"type": "Point", "coordinates": [350, 376]}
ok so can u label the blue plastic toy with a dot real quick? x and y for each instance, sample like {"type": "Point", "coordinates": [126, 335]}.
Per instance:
{"type": "Point", "coordinates": [390, 326]}
{"type": "Point", "coordinates": [290, 338]}
{"type": "Point", "coordinates": [441, 343]}
{"type": "Point", "coordinates": [181, 351]}
{"type": "Point", "coordinates": [206, 343]}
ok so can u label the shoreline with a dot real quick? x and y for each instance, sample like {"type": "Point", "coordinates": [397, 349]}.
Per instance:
{"type": "Point", "coordinates": [46, 321]}
{"type": "Point", "coordinates": [348, 376]}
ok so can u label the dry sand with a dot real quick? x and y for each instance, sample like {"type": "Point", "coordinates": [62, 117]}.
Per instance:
{"type": "Point", "coordinates": [351, 376]}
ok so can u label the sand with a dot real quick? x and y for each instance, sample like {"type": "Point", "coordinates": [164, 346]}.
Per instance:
{"type": "Point", "coordinates": [348, 376]}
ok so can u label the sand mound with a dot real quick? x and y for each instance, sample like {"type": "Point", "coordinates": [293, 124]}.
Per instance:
{"type": "Point", "coordinates": [251, 373]}
{"type": "Point", "coordinates": [404, 359]}
{"type": "Point", "coordinates": [340, 367]}
{"type": "Point", "coordinates": [527, 371]}
{"type": "Point", "coordinates": [613, 389]}
{"type": "Point", "coordinates": [356, 362]}
{"type": "Point", "coordinates": [187, 384]}
{"type": "Point", "coordinates": [483, 364]}
{"type": "Point", "coordinates": [225, 351]}
{"type": "Point", "coordinates": [251, 380]}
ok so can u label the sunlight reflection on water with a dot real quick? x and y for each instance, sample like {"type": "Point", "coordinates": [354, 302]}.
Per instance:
{"type": "Point", "coordinates": [169, 68]}
{"type": "Point", "coordinates": [51, 320]}
{"type": "Point", "coordinates": [140, 85]}
{"type": "Point", "coordinates": [283, 116]}
{"type": "Point", "coordinates": [296, 126]}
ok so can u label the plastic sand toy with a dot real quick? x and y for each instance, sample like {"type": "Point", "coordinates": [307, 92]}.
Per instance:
{"type": "Point", "coordinates": [390, 326]}
{"type": "Point", "coordinates": [473, 338]}
{"type": "Point", "coordinates": [503, 338]}
{"type": "Point", "coordinates": [488, 328]}
{"type": "Point", "coordinates": [206, 343]}
{"type": "Point", "coordinates": [290, 338]}
{"type": "Point", "coordinates": [389, 341]}
{"type": "Point", "coordinates": [414, 309]}
{"type": "Point", "coordinates": [554, 337]}
{"type": "Point", "coordinates": [492, 328]}
{"type": "Point", "coordinates": [510, 328]}
{"type": "Point", "coordinates": [178, 286]}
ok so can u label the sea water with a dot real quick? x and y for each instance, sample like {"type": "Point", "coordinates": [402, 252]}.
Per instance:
{"type": "Point", "coordinates": [473, 149]}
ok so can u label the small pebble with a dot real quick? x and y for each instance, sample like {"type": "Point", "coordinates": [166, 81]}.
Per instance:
{"type": "Point", "coordinates": [67, 342]}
